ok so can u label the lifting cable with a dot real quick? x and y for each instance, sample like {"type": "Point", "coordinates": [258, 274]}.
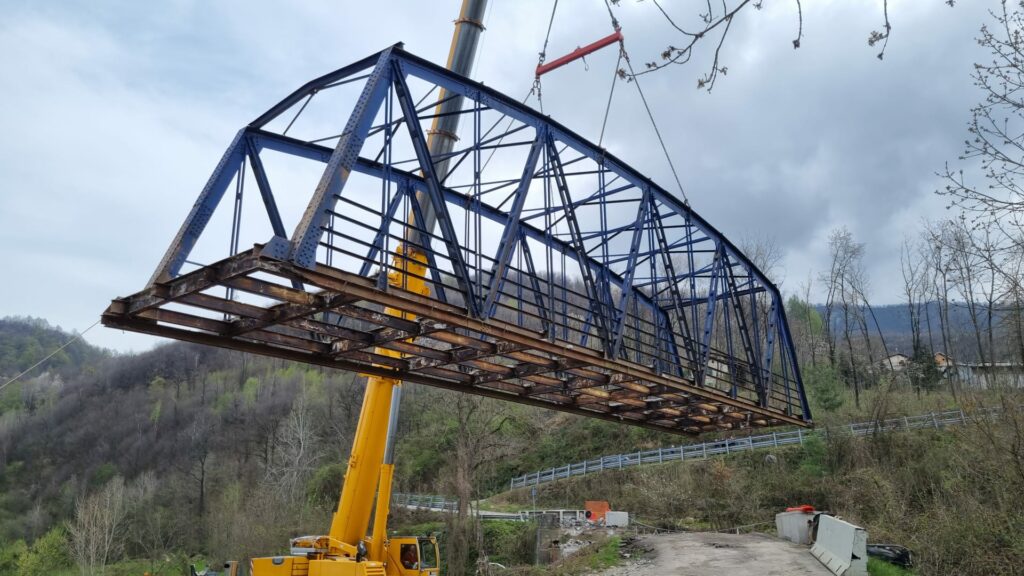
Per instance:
{"type": "Point", "coordinates": [624, 55]}
{"type": "Point", "coordinates": [580, 52]}
{"type": "Point", "coordinates": [657, 132]}
{"type": "Point", "coordinates": [50, 355]}
{"type": "Point", "coordinates": [542, 57]}
{"type": "Point", "coordinates": [611, 94]}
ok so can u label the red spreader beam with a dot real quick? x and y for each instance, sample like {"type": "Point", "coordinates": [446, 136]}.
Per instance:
{"type": "Point", "coordinates": [579, 53]}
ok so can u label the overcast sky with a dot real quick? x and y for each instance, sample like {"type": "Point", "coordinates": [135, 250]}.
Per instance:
{"type": "Point", "coordinates": [114, 113]}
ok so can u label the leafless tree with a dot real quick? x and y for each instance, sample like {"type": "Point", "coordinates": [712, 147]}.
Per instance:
{"type": "Point", "coordinates": [297, 452]}
{"type": "Point", "coordinates": [37, 521]}
{"type": "Point", "coordinates": [765, 253]}
{"type": "Point", "coordinates": [200, 450]}
{"type": "Point", "coordinates": [833, 283]}
{"type": "Point", "coordinates": [9, 423]}
{"type": "Point", "coordinates": [973, 279]}
{"type": "Point", "coordinates": [916, 265]}
{"type": "Point", "coordinates": [150, 528]}
{"type": "Point", "coordinates": [859, 286]}
{"type": "Point", "coordinates": [1013, 299]}
{"type": "Point", "coordinates": [845, 306]}
{"type": "Point", "coordinates": [805, 326]}
{"type": "Point", "coordinates": [936, 255]}
{"type": "Point", "coordinates": [996, 131]}
{"type": "Point", "coordinates": [915, 285]}
{"type": "Point", "coordinates": [847, 289]}
{"type": "Point", "coordinates": [97, 533]}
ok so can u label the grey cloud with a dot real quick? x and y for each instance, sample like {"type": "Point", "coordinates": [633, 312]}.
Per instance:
{"type": "Point", "coordinates": [115, 113]}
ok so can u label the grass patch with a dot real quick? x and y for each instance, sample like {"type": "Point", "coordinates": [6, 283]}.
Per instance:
{"type": "Point", "coordinates": [878, 567]}
{"type": "Point", "coordinates": [607, 555]}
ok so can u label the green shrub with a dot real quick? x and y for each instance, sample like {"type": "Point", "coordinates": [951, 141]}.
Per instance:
{"type": "Point", "coordinates": [47, 555]}
{"type": "Point", "coordinates": [324, 488]}
{"type": "Point", "coordinates": [607, 555]}
{"type": "Point", "coordinates": [10, 556]}
{"type": "Point", "coordinates": [102, 474]}
{"type": "Point", "coordinates": [813, 455]}
{"type": "Point", "coordinates": [510, 543]}
{"type": "Point", "coordinates": [824, 387]}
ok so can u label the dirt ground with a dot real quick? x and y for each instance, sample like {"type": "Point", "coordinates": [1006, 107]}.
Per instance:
{"type": "Point", "coordinates": [708, 554]}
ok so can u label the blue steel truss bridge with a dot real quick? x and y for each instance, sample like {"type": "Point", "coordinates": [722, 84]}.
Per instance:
{"type": "Point", "coordinates": [556, 275]}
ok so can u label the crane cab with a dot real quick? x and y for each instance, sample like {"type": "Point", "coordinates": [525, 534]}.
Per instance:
{"type": "Point", "coordinates": [409, 556]}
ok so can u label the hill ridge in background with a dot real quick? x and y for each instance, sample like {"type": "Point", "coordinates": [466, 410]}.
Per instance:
{"type": "Point", "coordinates": [26, 340]}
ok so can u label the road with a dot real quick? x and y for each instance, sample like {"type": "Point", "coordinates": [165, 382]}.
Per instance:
{"type": "Point", "coordinates": [711, 554]}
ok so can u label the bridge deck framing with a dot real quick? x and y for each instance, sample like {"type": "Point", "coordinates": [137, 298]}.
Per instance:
{"type": "Point", "coordinates": [442, 347]}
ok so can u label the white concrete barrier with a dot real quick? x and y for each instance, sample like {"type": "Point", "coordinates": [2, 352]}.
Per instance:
{"type": "Point", "coordinates": [841, 546]}
{"type": "Point", "coordinates": [794, 526]}
{"type": "Point", "coordinates": [616, 519]}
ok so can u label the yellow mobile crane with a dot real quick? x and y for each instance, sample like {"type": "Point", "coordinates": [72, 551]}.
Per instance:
{"type": "Point", "coordinates": [350, 548]}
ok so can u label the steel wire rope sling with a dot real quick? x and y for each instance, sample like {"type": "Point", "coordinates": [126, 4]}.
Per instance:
{"type": "Point", "coordinates": [543, 67]}
{"type": "Point", "coordinates": [624, 55]}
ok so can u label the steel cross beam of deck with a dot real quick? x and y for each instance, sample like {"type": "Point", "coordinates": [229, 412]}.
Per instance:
{"type": "Point", "coordinates": [558, 276]}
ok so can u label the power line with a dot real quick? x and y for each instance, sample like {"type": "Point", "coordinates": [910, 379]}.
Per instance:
{"type": "Point", "coordinates": [51, 355]}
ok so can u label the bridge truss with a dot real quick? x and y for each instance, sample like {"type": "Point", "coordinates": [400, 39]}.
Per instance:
{"type": "Point", "coordinates": [558, 276]}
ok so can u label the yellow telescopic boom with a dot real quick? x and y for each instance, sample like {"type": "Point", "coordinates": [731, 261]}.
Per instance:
{"type": "Point", "coordinates": [370, 465]}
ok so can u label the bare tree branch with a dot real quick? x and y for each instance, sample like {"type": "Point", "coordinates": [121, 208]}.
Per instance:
{"type": "Point", "coordinates": [718, 20]}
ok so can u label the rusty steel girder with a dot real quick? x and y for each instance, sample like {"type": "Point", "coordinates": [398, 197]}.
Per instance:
{"type": "Point", "coordinates": [443, 347]}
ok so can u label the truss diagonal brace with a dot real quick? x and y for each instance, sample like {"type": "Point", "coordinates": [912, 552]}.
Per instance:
{"type": "Point", "coordinates": [306, 237]}
{"type": "Point", "coordinates": [709, 318]}
{"type": "Point", "coordinates": [444, 220]}
{"type": "Point", "coordinates": [627, 289]}
{"type": "Point", "coordinates": [510, 236]}
{"type": "Point", "coordinates": [201, 212]}
{"type": "Point", "coordinates": [594, 293]}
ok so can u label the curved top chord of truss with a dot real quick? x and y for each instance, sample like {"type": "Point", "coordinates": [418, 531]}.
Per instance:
{"type": "Point", "coordinates": [558, 275]}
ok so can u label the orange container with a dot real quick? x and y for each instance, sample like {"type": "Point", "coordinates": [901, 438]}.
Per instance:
{"type": "Point", "coordinates": [596, 510]}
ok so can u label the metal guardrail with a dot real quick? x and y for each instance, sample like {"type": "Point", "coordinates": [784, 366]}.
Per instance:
{"type": "Point", "coordinates": [424, 502]}
{"type": "Point", "coordinates": [705, 450]}
{"type": "Point", "coordinates": [435, 503]}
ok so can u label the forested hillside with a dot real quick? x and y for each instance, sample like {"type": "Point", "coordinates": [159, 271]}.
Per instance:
{"type": "Point", "coordinates": [188, 452]}
{"type": "Point", "coordinates": [25, 341]}
{"type": "Point", "coordinates": [896, 326]}
{"type": "Point", "coordinates": [205, 453]}
{"type": "Point", "coordinates": [224, 454]}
